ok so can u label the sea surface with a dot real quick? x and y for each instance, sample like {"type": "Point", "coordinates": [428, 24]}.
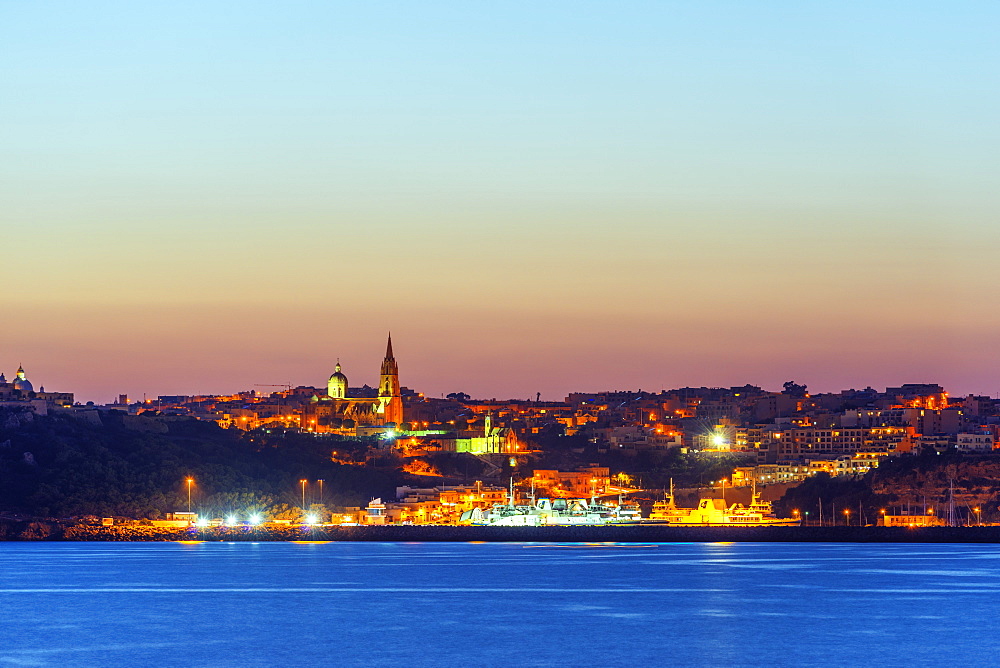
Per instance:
{"type": "Point", "coordinates": [498, 604]}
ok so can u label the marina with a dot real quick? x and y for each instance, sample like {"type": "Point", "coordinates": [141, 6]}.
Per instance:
{"type": "Point", "coordinates": [576, 512]}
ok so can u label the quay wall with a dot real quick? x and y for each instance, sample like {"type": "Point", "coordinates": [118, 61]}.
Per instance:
{"type": "Point", "coordinates": [553, 534]}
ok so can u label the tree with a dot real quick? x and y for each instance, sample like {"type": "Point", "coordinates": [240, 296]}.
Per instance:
{"type": "Point", "coordinates": [794, 389]}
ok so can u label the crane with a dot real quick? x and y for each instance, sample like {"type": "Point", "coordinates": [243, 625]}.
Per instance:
{"type": "Point", "coordinates": [287, 386]}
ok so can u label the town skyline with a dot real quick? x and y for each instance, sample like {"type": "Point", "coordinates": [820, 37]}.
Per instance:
{"type": "Point", "coordinates": [362, 375]}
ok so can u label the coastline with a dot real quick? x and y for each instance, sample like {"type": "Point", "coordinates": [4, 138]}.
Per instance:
{"type": "Point", "coordinates": [639, 533]}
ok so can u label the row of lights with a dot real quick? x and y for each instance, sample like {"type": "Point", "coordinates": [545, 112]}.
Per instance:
{"type": "Point", "coordinates": [254, 520]}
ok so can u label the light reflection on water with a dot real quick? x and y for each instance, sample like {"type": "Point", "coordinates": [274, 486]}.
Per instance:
{"type": "Point", "coordinates": [411, 604]}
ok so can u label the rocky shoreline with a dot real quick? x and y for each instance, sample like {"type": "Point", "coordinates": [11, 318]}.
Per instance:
{"type": "Point", "coordinates": [641, 533]}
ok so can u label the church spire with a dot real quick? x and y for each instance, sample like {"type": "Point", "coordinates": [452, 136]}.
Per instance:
{"type": "Point", "coordinates": [389, 363]}
{"type": "Point", "coordinates": [390, 399]}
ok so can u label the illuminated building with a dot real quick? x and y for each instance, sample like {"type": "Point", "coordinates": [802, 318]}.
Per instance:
{"type": "Point", "coordinates": [433, 505]}
{"type": "Point", "coordinates": [927, 520]}
{"type": "Point", "coordinates": [582, 483]}
{"type": "Point", "coordinates": [20, 391]}
{"type": "Point", "coordinates": [336, 387]}
{"type": "Point", "coordinates": [21, 382]}
{"type": "Point", "coordinates": [331, 412]}
{"type": "Point", "coordinates": [389, 394]}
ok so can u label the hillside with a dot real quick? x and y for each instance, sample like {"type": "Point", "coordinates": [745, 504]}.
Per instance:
{"type": "Point", "coordinates": [113, 464]}
{"type": "Point", "coordinates": [906, 484]}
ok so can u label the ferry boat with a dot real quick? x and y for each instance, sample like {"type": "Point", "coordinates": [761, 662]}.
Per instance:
{"type": "Point", "coordinates": [667, 511]}
{"type": "Point", "coordinates": [553, 512]}
{"type": "Point", "coordinates": [713, 512]}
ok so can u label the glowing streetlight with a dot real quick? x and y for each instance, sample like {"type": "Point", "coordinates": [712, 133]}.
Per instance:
{"type": "Point", "coordinates": [189, 481]}
{"type": "Point", "coordinates": [979, 518]}
{"type": "Point", "coordinates": [847, 517]}
{"type": "Point", "coordinates": [303, 483]}
{"type": "Point", "coordinates": [320, 481]}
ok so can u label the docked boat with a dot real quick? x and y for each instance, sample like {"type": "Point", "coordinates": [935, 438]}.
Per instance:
{"type": "Point", "coordinates": [666, 511]}
{"type": "Point", "coordinates": [553, 512]}
{"type": "Point", "coordinates": [713, 512]}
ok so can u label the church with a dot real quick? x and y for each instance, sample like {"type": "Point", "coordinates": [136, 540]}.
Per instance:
{"type": "Point", "coordinates": [21, 390]}
{"type": "Point", "coordinates": [337, 410]}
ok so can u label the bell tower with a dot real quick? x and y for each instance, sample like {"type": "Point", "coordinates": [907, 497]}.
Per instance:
{"type": "Point", "coordinates": [388, 388]}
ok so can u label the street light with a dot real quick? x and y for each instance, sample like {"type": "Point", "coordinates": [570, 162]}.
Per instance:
{"type": "Point", "coordinates": [320, 481]}
{"type": "Point", "coordinates": [303, 482]}
{"type": "Point", "coordinates": [190, 481]}
{"type": "Point", "coordinates": [847, 516]}
{"type": "Point", "coordinates": [979, 518]}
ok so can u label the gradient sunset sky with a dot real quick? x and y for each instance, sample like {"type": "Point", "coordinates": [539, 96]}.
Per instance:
{"type": "Point", "coordinates": [534, 197]}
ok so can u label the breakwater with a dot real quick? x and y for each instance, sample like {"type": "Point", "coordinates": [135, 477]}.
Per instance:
{"type": "Point", "coordinates": [639, 533]}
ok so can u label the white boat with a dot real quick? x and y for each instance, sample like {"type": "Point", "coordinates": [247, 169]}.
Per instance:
{"type": "Point", "coordinates": [553, 512]}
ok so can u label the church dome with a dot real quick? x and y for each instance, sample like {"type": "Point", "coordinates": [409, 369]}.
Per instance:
{"type": "Point", "coordinates": [21, 382]}
{"type": "Point", "coordinates": [336, 387]}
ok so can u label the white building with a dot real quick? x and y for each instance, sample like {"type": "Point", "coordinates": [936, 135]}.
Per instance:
{"type": "Point", "coordinates": [975, 442]}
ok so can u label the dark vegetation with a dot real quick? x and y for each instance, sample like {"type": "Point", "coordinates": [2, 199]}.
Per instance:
{"type": "Point", "coordinates": [111, 464]}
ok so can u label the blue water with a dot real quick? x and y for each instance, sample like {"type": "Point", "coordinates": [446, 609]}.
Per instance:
{"type": "Point", "coordinates": [464, 604]}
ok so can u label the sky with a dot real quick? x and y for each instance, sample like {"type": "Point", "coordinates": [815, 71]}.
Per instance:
{"type": "Point", "coordinates": [533, 197]}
